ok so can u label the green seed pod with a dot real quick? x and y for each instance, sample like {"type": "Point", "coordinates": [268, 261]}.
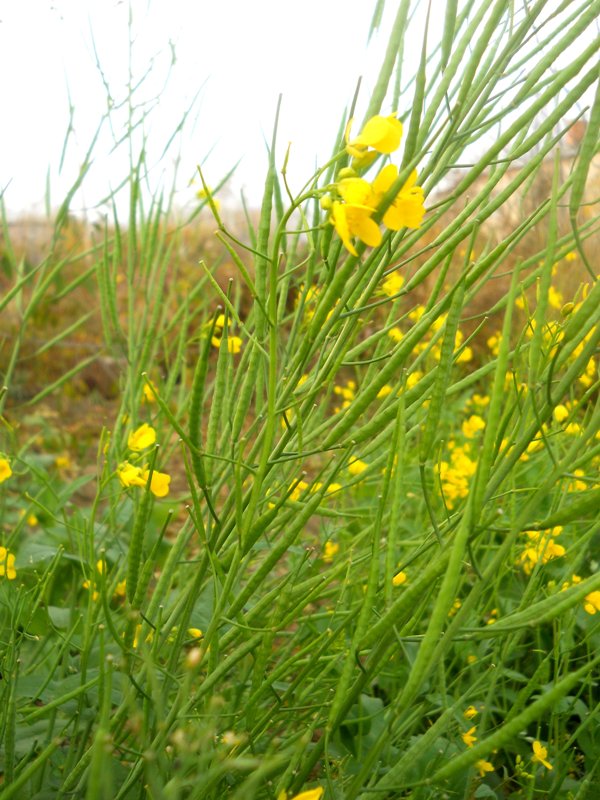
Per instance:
{"type": "Point", "coordinates": [567, 309]}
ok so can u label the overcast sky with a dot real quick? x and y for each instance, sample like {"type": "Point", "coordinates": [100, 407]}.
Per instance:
{"type": "Point", "coordinates": [237, 54]}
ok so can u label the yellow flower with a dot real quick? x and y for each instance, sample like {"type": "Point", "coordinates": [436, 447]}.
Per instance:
{"type": "Point", "coordinates": [329, 551]}
{"type": "Point", "coordinates": [492, 617]}
{"type": "Point", "coordinates": [577, 485]}
{"type": "Point", "coordinates": [469, 737]}
{"type": "Point", "coordinates": [472, 426]}
{"type": "Point", "coordinates": [542, 548]}
{"type": "Point", "coordinates": [7, 564]}
{"type": "Point", "coordinates": [483, 766]}
{"type": "Point", "coordinates": [148, 395]}
{"type": "Point", "coordinates": [62, 462]}
{"type": "Point", "coordinates": [480, 400]}
{"type": "Point", "coordinates": [540, 754]}
{"type": "Point", "coordinates": [354, 221]}
{"type": "Point", "coordinates": [471, 659]}
{"type": "Point", "coordinates": [195, 633]}
{"type": "Point", "coordinates": [573, 429]}
{"type": "Point", "coordinates": [575, 579]}
{"type": "Point", "coordinates": [130, 475]}
{"type": "Point", "coordinates": [203, 194]}
{"type": "Point", "coordinates": [382, 134]}
{"type": "Point", "coordinates": [592, 602]}
{"type": "Point", "coordinates": [234, 343]}
{"type": "Point", "coordinates": [143, 437]}
{"type": "Point", "coordinates": [560, 413]}
{"type": "Point", "coordinates": [311, 794]}
{"type": "Point", "coordinates": [470, 712]}
{"type": "Point", "coordinates": [298, 490]}
{"type": "Point", "coordinates": [413, 379]}
{"type": "Point", "coordinates": [5, 470]}
{"type": "Point", "coordinates": [465, 355]}
{"type": "Point", "coordinates": [347, 392]}
{"type": "Point", "coordinates": [384, 391]}
{"type": "Point", "coordinates": [95, 594]}
{"type": "Point", "coordinates": [392, 284]}
{"type": "Point", "coordinates": [399, 578]}
{"type": "Point", "coordinates": [455, 606]}
{"type": "Point", "coordinates": [159, 485]}
{"type": "Point", "coordinates": [136, 635]}
{"type": "Point", "coordinates": [356, 466]}
{"type": "Point", "coordinates": [454, 476]}
{"type": "Point", "coordinates": [407, 209]}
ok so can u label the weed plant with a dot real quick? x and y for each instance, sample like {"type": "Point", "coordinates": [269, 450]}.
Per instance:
{"type": "Point", "coordinates": [340, 534]}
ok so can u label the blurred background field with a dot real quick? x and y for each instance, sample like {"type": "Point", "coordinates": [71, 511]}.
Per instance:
{"type": "Point", "coordinates": [86, 398]}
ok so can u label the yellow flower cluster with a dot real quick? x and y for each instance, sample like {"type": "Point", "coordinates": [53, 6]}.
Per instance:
{"type": "Point", "coordinates": [472, 426]}
{"type": "Point", "coordinates": [7, 564]}
{"type": "Point", "coordinates": [577, 485]}
{"type": "Point", "coordinates": [234, 343]}
{"type": "Point", "coordinates": [302, 486]}
{"type": "Point", "coordinates": [592, 603]}
{"type": "Point", "coordinates": [435, 349]}
{"type": "Point", "coordinates": [354, 200]}
{"type": "Point", "coordinates": [310, 301]}
{"type": "Point", "coordinates": [480, 401]}
{"type": "Point", "coordinates": [541, 547]}
{"type": "Point", "coordinates": [120, 588]}
{"type": "Point", "coordinates": [491, 617]}
{"type": "Point", "coordinates": [347, 392]}
{"type": "Point", "coordinates": [132, 475]}
{"type": "Point", "coordinates": [455, 474]}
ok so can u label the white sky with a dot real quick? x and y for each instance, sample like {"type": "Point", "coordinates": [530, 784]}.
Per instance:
{"type": "Point", "coordinates": [240, 54]}
{"type": "Point", "coordinates": [237, 54]}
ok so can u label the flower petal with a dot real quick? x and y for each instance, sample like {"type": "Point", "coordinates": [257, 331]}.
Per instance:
{"type": "Point", "coordinates": [340, 223]}
{"type": "Point", "coordinates": [385, 179]}
{"type": "Point", "coordinates": [355, 191]}
{"type": "Point", "coordinates": [381, 133]}
{"type": "Point", "coordinates": [407, 211]}
{"type": "Point", "coordinates": [367, 231]}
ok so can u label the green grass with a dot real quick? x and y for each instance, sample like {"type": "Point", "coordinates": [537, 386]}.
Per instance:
{"type": "Point", "coordinates": [375, 568]}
